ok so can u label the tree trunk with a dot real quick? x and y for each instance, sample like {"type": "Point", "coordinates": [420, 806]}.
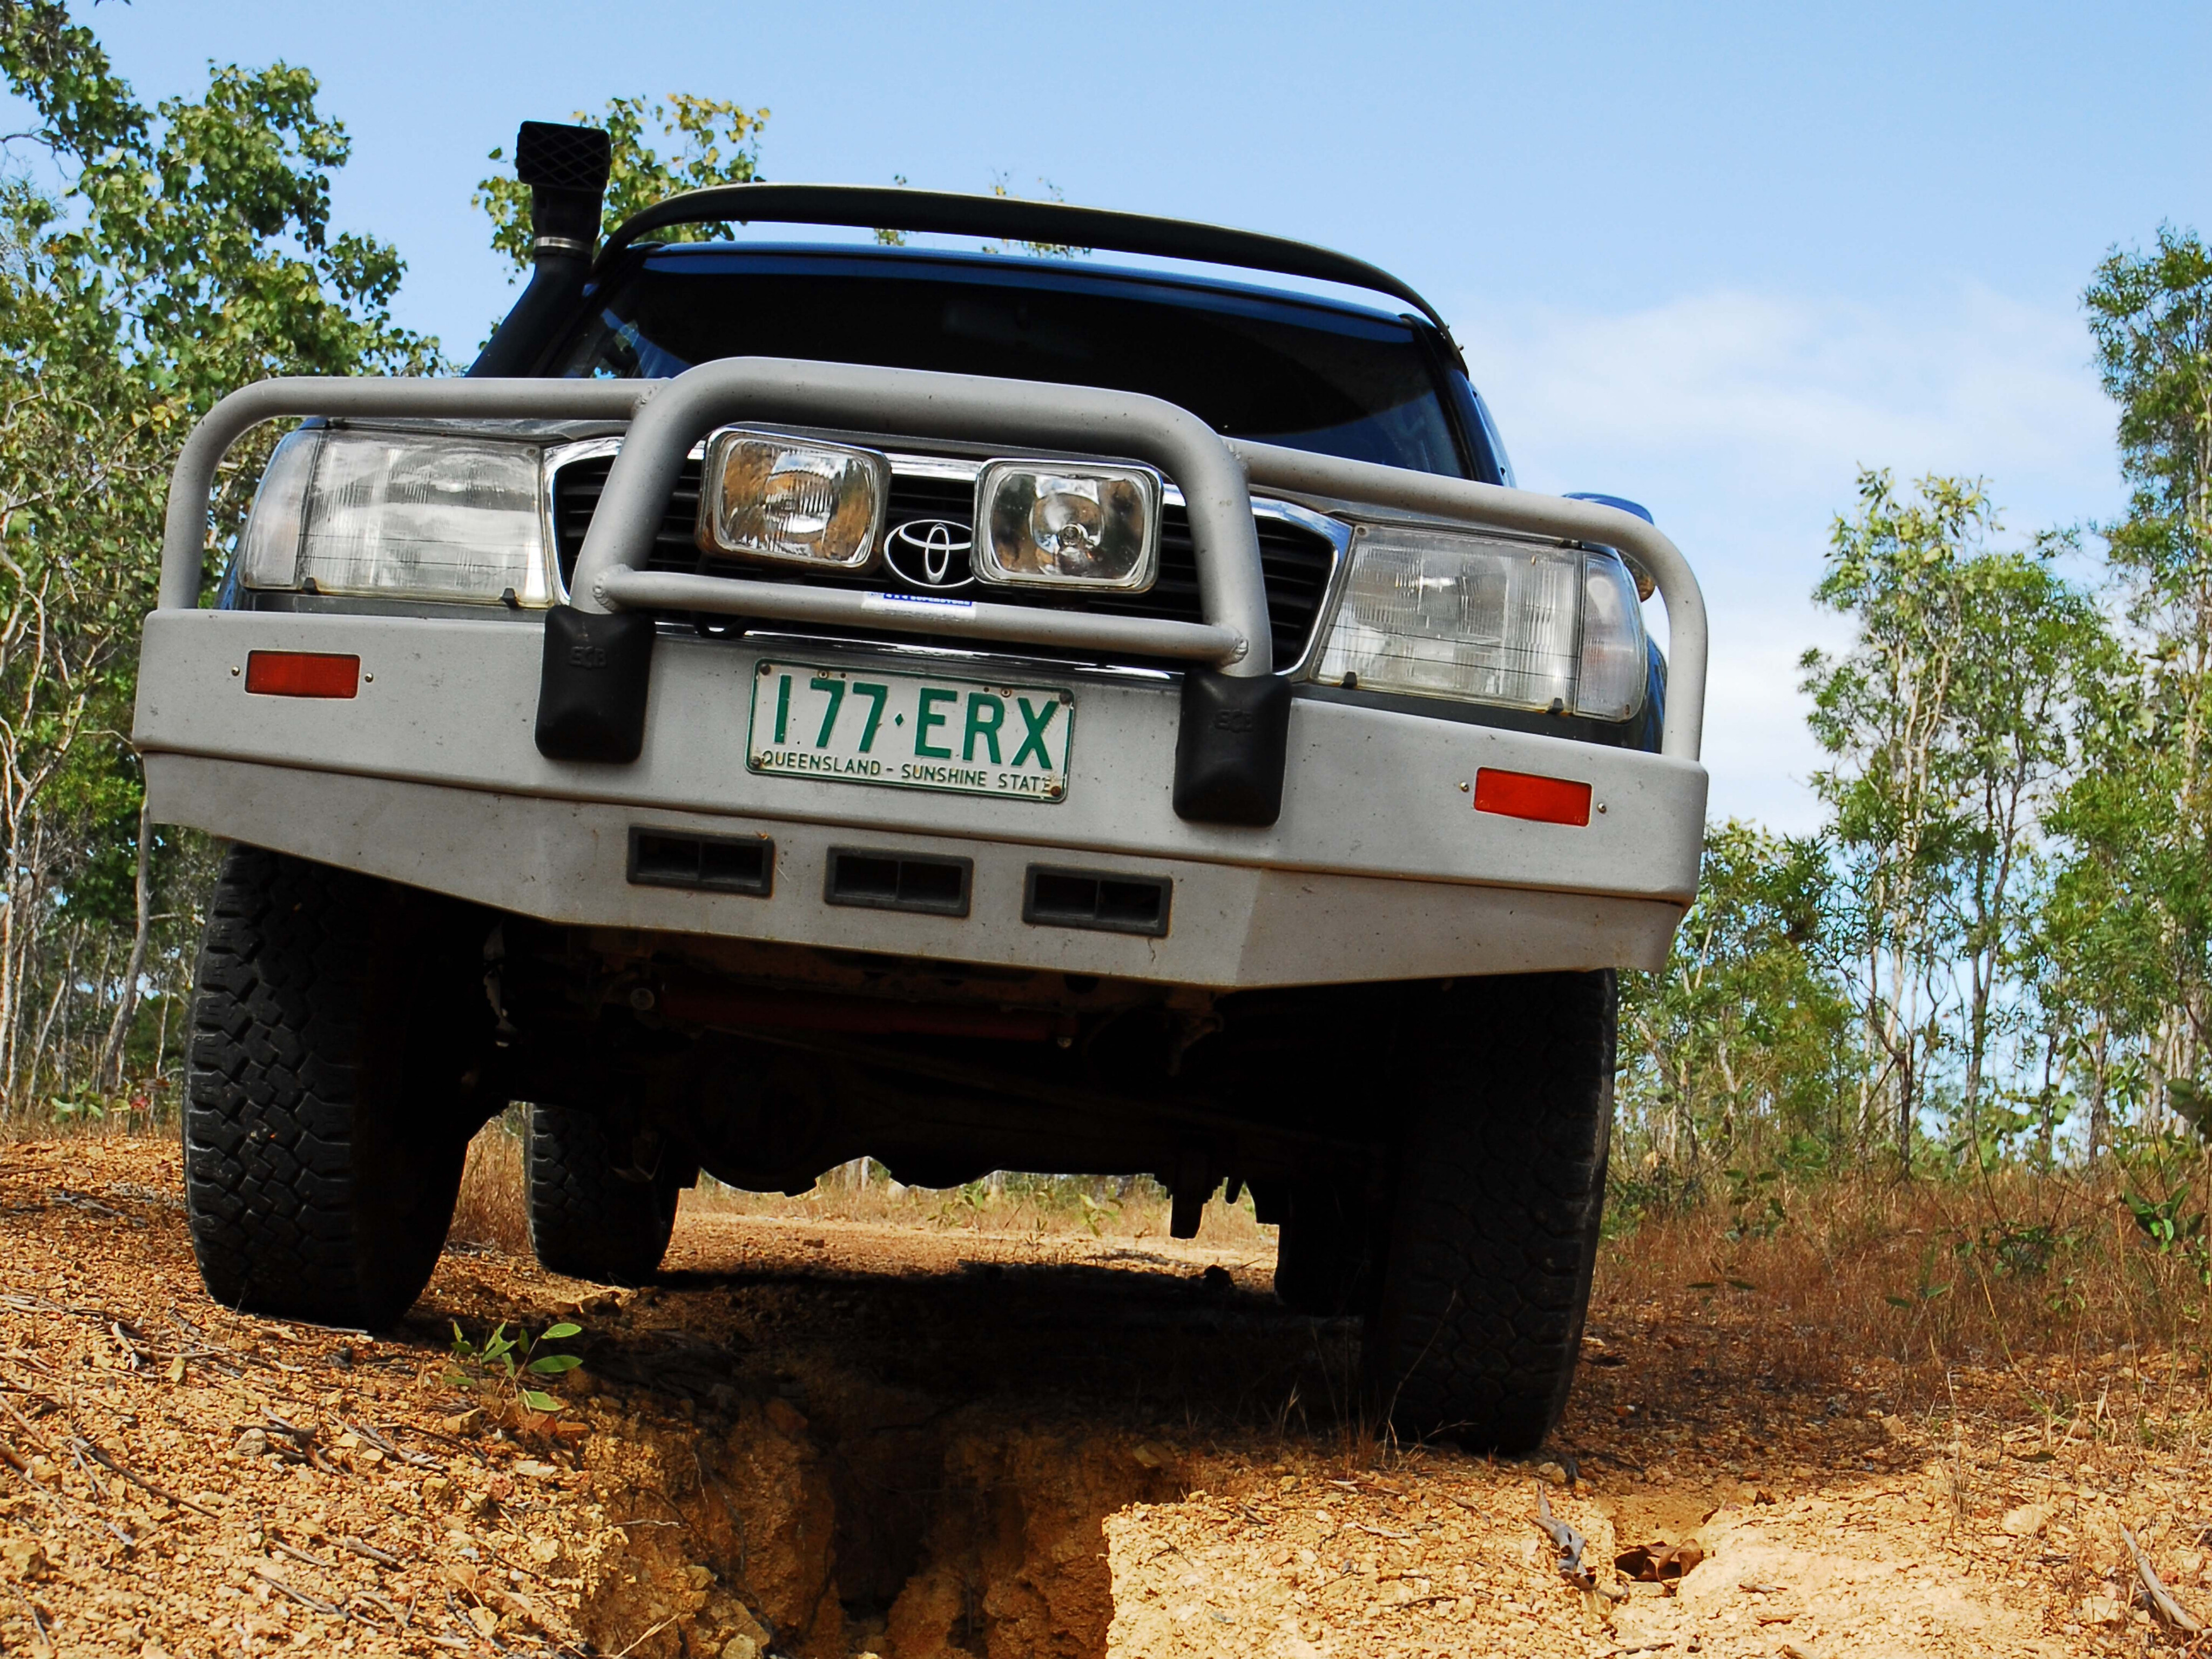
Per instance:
{"type": "Point", "coordinates": [110, 1074]}
{"type": "Point", "coordinates": [2098, 1127]}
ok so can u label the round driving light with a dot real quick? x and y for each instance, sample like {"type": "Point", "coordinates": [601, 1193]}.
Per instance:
{"type": "Point", "coordinates": [1069, 522]}
{"type": "Point", "coordinates": [1058, 525]}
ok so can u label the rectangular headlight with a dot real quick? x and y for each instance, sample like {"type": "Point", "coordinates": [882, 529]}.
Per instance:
{"type": "Point", "coordinates": [1519, 624]}
{"type": "Point", "coordinates": [1067, 524]}
{"type": "Point", "coordinates": [793, 500]}
{"type": "Point", "coordinates": [399, 515]}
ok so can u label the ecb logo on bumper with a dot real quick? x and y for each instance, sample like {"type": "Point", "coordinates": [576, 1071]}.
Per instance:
{"type": "Point", "coordinates": [930, 553]}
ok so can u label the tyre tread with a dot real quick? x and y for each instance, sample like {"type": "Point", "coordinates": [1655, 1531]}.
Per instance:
{"type": "Point", "coordinates": [1495, 1229]}
{"type": "Point", "coordinates": [276, 1190]}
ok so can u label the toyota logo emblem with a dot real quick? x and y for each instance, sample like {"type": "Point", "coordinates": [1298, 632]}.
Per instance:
{"type": "Point", "coordinates": [930, 553]}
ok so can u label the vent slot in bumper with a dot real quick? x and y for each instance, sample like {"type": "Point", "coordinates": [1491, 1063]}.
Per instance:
{"type": "Point", "coordinates": [1099, 900]}
{"type": "Point", "coordinates": [713, 864]}
{"type": "Point", "coordinates": [898, 881]}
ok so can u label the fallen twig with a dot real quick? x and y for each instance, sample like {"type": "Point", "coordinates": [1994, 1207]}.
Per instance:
{"type": "Point", "coordinates": [399, 1617]}
{"type": "Point", "coordinates": [26, 1425]}
{"type": "Point", "coordinates": [1569, 1543]}
{"type": "Point", "coordinates": [138, 1355]}
{"type": "Point", "coordinates": [62, 1195]}
{"type": "Point", "coordinates": [77, 1450]}
{"type": "Point", "coordinates": [655, 1631]}
{"type": "Point", "coordinates": [2170, 1612]}
{"type": "Point", "coordinates": [207, 1353]}
{"type": "Point", "coordinates": [369, 1550]}
{"type": "Point", "coordinates": [385, 1446]}
{"type": "Point", "coordinates": [52, 1498]}
{"type": "Point", "coordinates": [113, 1467]}
{"type": "Point", "coordinates": [476, 1452]}
{"type": "Point", "coordinates": [453, 1612]}
{"type": "Point", "coordinates": [303, 1440]}
{"type": "Point", "coordinates": [314, 1602]}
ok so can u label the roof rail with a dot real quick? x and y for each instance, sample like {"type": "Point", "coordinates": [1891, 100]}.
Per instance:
{"type": "Point", "coordinates": [946, 212]}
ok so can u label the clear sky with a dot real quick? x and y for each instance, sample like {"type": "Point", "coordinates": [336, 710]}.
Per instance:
{"type": "Point", "coordinates": [1712, 256]}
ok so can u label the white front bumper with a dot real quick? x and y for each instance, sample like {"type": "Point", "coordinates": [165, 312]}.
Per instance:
{"type": "Point", "coordinates": [1379, 867]}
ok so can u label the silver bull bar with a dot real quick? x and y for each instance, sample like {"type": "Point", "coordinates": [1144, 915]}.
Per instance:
{"type": "Point", "coordinates": [668, 417]}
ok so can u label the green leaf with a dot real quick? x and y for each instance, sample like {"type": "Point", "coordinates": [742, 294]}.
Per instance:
{"type": "Point", "coordinates": [538, 1401]}
{"type": "Point", "coordinates": [554, 1363]}
{"type": "Point", "coordinates": [1899, 1301]}
{"type": "Point", "coordinates": [1743, 1285]}
{"type": "Point", "coordinates": [1702, 1285]}
{"type": "Point", "coordinates": [554, 1332]}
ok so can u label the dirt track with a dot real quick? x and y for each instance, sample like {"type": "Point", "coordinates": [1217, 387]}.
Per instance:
{"type": "Point", "coordinates": [824, 1439]}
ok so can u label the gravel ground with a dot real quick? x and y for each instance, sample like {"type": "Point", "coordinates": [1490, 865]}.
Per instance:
{"type": "Point", "coordinates": [825, 1439]}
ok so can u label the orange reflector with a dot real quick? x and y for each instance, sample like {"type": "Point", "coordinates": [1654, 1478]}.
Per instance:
{"type": "Point", "coordinates": [1526, 795]}
{"type": "Point", "coordinates": [302, 674]}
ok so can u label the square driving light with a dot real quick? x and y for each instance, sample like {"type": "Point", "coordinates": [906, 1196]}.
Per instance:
{"type": "Point", "coordinates": [792, 500]}
{"type": "Point", "coordinates": [1067, 524]}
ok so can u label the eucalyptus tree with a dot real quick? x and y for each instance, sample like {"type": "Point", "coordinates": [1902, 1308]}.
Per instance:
{"type": "Point", "coordinates": [150, 261]}
{"type": "Point", "coordinates": [1744, 1032]}
{"type": "Point", "coordinates": [2133, 911]}
{"type": "Point", "coordinates": [1885, 713]}
{"type": "Point", "coordinates": [2037, 654]}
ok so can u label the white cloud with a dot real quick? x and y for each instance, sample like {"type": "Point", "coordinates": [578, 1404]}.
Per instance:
{"type": "Point", "coordinates": [1742, 419]}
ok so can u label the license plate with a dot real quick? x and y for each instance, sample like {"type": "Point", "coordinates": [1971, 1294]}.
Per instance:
{"type": "Point", "coordinates": [855, 726]}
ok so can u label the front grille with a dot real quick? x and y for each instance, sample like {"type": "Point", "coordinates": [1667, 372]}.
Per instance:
{"type": "Point", "coordinates": [1295, 561]}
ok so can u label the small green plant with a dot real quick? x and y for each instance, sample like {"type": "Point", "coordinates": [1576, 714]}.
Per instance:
{"type": "Point", "coordinates": [1754, 1211]}
{"type": "Point", "coordinates": [2018, 1250]}
{"type": "Point", "coordinates": [512, 1361]}
{"type": "Point", "coordinates": [1096, 1214]}
{"type": "Point", "coordinates": [2165, 1222]}
{"type": "Point", "coordinates": [2174, 1229]}
{"type": "Point", "coordinates": [82, 1106]}
{"type": "Point", "coordinates": [962, 1203]}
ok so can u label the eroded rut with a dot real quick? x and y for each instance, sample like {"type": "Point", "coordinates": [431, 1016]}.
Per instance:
{"type": "Point", "coordinates": [823, 1440]}
{"type": "Point", "coordinates": [920, 1464]}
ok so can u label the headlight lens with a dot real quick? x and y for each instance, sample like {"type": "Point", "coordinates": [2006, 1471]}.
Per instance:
{"type": "Point", "coordinates": [792, 500]}
{"type": "Point", "coordinates": [1049, 523]}
{"type": "Point", "coordinates": [269, 552]}
{"type": "Point", "coordinates": [1610, 681]}
{"type": "Point", "coordinates": [397, 515]}
{"type": "Point", "coordinates": [1522, 625]}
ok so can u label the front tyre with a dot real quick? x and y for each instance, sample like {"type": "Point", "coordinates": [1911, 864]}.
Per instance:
{"type": "Point", "coordinates": [1500, 1189]}
{"type": "Point", "coordinates": [327, 1108]}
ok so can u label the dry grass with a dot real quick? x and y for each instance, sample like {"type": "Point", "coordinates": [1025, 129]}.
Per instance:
{"type": "Point", "coordinates": [1037, 1205]}
{"type": "Point", "coordinates": [490, 1212]}
{"type": "Point", "coordinates": [2049, 1279]}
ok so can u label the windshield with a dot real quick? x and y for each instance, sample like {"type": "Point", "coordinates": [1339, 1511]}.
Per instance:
{"type": "Point", "coordinates": [1251, 365]}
